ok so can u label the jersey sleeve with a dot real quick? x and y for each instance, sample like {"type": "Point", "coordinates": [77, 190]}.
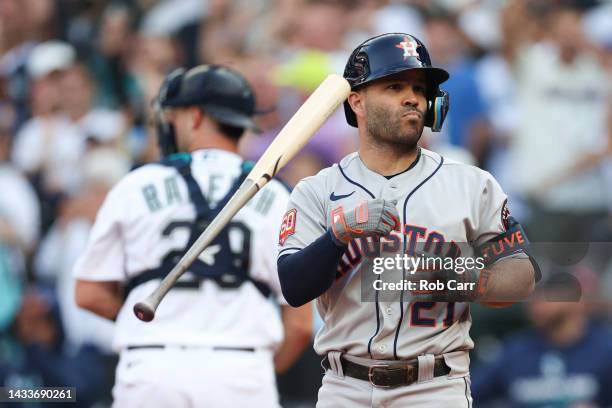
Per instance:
{"type": "Point", "coordinates": [264, 260]}
{"type": "Point", "coordinates": [104, 256]}
{"type": "Point", "coordinates": [492, 212]}
{"type": "Point", "coordinates": [304, 221]}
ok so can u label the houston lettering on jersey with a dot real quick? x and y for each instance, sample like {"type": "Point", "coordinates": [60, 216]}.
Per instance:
{"type": "Point", "coordinates": [432, 242]}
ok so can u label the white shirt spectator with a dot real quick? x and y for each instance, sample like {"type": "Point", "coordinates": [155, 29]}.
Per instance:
{"type": "Point", "coordinates": [54, 145]}
{"type": "Point", "coordinates": [19, 206]}
{"type": "Point", "coordinates": [103, 125]}
{"type": "Point", "coordinates": [563, 117]}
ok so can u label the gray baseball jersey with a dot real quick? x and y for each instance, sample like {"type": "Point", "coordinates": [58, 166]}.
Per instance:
{"type": "Point", "coordinates": [438, 200]}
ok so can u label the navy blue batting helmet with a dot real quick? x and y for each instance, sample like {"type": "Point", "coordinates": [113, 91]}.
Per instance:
{"type": "Point", "coordinates": [389, 54]}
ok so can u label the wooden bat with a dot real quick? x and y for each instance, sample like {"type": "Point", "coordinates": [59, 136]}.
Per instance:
{"type": "Point", "coordinates": [301, 127]}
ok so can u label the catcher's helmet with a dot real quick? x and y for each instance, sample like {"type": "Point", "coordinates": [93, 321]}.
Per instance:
{"type": "Point", "coordinates": [222, 93]}
{"type": "Point", "coordinates": [388, 54]}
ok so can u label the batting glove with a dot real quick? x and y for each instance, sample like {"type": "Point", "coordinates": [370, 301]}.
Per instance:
{"type": "Point", "coordinates": [369, 218]}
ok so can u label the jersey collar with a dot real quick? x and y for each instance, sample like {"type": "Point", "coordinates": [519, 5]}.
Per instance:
{"type": "Point", "coordinates": [216, 155]}
{"type": "Point", "coordinates": [387, 178]}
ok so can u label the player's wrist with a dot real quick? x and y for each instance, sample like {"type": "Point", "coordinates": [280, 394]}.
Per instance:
{"type": "Point", "coordinates": [476, 280]}
{"type": "Point", "coordinates": [339, 243]}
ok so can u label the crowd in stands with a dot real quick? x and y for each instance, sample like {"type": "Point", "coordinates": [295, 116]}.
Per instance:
{"type": "Point", "coordinates": [531, 102]}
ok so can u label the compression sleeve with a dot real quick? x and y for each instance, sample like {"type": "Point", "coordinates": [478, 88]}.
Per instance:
{"type": "Point", "coordinates": [308, 273]}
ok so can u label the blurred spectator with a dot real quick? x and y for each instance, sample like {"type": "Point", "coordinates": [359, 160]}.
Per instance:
{"type": "Point", "coordinates": [37, 356]}
{"type": "Point", "coordinates": [66, 239]}
{"type": "Point", "coordinates": [19, 229]}
{"type": "Point", "coordinates": [151, 57]}
{"type": "Point", "coordinates": [225, 31]}
{"type": "Point", "coordinates": [100, 126]}
{"type": "Point", "coordinates": [562, 134]}
{"type": "Point", "coordinates": [180, 19]}
{"type": "Point", "coordinates": [321, 25]}
{"type": "Point", "coordinates": [466, 124]}
{"type": "Point", "coordinates": [15, 47]}
{"type": "Point", "coordinates": [598, 25]}
{"type": "Point", "coordinates": [564, 361]}
{"type": "Point", "coordinates": [19, 209]}
{"type": "Point", "coordinates": [374, 17]}
{"type": "Point", "coordinates": [496, 83]}
{"type": "Point", "coordinates": [530, 101]}
{"type": "Point", "coordinates": [41, 18]}
{"type": "Point", "coordinates": [48, 147]}
{"type": "Point", "coordinates": [298, 78]}
{"type": "Point", "coordinates": [108, 58]}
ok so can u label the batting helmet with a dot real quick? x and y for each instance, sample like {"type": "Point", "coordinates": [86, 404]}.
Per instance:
{"type": "Point", "coordinates": [222, 93]}
{"type": "Point", "coordinates": [389, 54]}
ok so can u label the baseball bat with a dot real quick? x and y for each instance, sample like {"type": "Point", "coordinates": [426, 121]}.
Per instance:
{"type": "Point", "coordinates": [293, 136]}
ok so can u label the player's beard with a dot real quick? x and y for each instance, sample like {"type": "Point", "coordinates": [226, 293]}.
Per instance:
{"type": "Point", "coordinates": [390, 127]}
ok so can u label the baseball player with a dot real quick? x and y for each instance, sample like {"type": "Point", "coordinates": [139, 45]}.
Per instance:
{"type": "Point", "coordinates": [392, 198]}
{"type": "Point", "coordinates": [216, 338]}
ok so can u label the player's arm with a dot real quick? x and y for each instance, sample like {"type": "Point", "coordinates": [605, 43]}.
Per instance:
{"type": "Point", "coordinates": [99, 270]}
{"type": "Point", "coordinates": [510, 273]}
{"type": "Point", "coordinates": [310, 250]}
{"type": "Point", "coordinates": [102, 298]}
{"type": "Point", "coordinates": [297, 325]}
{"type": "Point", "coordinates": [309, 272]}
{"type": "Point", "coordinates": [508, 281]}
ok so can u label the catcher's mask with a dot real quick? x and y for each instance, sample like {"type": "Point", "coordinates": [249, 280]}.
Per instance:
{"type": "Point", "coordinates": [221, 93]}
{"type": "Point", "coordinates": [389, 54]}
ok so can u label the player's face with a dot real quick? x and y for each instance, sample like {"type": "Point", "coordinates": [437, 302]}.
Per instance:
{"type": "Point", "coordinates": [395, 108]}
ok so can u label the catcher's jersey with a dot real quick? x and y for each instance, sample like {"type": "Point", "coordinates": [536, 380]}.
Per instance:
{"type": "Point", "coordinates": [438, 200]}
{"type": "Point", "coordinates": [149, 215]}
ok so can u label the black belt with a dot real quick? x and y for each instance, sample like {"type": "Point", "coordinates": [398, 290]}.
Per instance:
{"type": "Point", "coordinates": [388, 375]}
{"type": "Point", "coordinates": [215, 348]}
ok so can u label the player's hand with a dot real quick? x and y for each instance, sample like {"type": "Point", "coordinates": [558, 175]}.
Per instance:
{"type": "Point", "coordinates": [369, 218]}
{"type": "Point", "coordinates": [447, 284]}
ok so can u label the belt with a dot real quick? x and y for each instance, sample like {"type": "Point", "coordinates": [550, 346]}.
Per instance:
{"type": "Point", "coordinates": [215, 348]}
{"type": "Point", "coordinates": [387, 375]}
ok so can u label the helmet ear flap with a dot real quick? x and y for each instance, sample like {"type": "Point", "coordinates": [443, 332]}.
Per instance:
{"type": "Point", "coordinates": [171, 85]}
{"type": "Point", "coordinates": [166, 136]}
{"type": "Point", "coordinates": [438, 108]}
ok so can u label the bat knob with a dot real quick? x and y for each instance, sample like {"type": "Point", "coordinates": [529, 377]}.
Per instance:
{"type": "Point", "coordinates": [144, 311]}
